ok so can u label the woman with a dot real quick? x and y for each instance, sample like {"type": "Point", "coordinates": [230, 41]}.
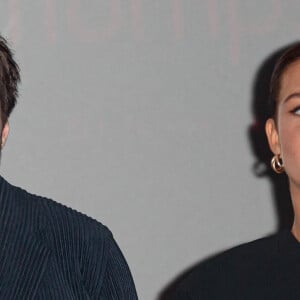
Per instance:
{"type": "Point", "coordinates": [267, 268]}
{"type": "Point", "coordinates": [49, 251]}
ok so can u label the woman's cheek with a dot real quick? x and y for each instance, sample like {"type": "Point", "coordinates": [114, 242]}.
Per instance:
{"type": "Point", "coordinates": [290, 149]}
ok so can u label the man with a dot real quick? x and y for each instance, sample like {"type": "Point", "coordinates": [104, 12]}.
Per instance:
{"type": "Point", "coordinates": [47, 250]}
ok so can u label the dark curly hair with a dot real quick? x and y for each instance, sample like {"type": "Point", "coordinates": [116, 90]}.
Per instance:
{"type": "Point", "coordinates": [9, 79]}
{"type": "Point", "coordinates": [289, 56]}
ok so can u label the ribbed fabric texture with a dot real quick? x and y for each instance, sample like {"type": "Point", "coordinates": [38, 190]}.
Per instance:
{"type": "Point", "coordinates": [49, 251]}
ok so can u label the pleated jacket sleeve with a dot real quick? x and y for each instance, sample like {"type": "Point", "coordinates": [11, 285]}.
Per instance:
{"type": "Point", "coordinates": [84, 257]}
{"type": "Point", "coordinates": [51, 251]}
{"type": "Point", "coordinates": [117, 282]}
{"type": "Point", "coordinates": [105, 272]}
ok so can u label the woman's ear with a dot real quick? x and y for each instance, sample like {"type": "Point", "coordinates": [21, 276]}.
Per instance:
{"type": "Point", "coordinates": [272, 135]}
{"type": "Point", "coordinates": [5, 132]}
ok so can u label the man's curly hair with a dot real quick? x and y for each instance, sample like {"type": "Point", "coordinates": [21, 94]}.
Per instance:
{"type": "Point", "coordinates": [9, 79]}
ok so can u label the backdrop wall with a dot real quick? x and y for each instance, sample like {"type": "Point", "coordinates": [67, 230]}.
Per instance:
{"type": "Point", "coordinates": [137, 113]}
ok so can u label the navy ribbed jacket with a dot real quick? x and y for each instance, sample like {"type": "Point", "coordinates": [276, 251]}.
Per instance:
{"type": "Point", "coordinates": [49, 251]}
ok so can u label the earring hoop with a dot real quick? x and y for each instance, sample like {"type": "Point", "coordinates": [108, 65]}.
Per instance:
{"type": "Point", "coordinates": [277, 164]}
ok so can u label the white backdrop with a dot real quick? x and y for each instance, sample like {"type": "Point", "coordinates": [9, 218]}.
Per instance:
{"type": "Point", "coordinates": [137, 113]}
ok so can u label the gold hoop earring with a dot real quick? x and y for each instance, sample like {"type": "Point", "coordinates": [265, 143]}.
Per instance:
{"type": "Point", "coordinates": [277, 164]}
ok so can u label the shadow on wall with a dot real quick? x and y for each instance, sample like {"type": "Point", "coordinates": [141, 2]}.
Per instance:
{"type": "Point", "coordinates": [263, 155]}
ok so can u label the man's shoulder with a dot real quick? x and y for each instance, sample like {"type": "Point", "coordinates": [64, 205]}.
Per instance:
{"type": "Point", "coordinates": [59, 215]}
{"type": "Point", "coordinates": [54, 218]}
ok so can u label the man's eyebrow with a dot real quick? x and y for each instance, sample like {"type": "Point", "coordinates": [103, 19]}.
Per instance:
{"type": "Point", "coordinates": [291, 96]}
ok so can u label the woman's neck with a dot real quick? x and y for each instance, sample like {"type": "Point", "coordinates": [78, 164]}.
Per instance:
{"type": "Point", "coordinates": [295, 195]}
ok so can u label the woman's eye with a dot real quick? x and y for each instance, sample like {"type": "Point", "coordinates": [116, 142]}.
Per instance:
{"type": "Point", "coordinates": [296, 111]}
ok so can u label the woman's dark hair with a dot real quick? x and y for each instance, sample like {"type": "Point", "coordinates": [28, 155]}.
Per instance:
{"type": "Point", "coordinates": [291, 55]}
{"type": "Point", "coordinates": [9, 79]}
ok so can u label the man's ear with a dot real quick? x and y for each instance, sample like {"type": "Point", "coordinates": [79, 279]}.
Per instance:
{"type": "Point", "coordinates": [5, 132]}
{"type": "Point", "coordinates": [272, 135]}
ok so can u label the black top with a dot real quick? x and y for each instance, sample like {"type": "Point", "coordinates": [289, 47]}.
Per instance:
{"type": "Point", "coordinates": [268, 268]}
{"type": "Point", "coordinates": [50, 251]}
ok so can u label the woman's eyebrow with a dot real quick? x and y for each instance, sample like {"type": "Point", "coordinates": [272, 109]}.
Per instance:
{"type": "Point", "coordinates": [291, 96]}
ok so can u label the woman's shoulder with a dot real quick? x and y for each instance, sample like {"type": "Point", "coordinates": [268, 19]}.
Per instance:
{"type": "Point", "coordinates": [240, 263]}
{"type": "Point", "coordinates": [257, 248]}
{"type": "Point", "coordinates": [251, 252]}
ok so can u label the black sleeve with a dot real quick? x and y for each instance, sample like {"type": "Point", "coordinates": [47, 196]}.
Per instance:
{"type": "Point", "coordinates": [180, 294]}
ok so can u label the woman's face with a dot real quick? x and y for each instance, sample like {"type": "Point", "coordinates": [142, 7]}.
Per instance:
{"type": "Point", "coordinates": [284, 134]}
